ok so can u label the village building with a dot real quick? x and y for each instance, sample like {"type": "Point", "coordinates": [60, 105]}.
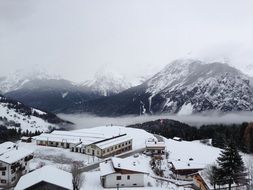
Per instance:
{"type": "Point", "coordinates": [155, 147]}
{"type": "Point", "coordinates": [109, 147]}
{"type": "Point", "coordinates": [177, 139]}
{"type": "Point", "coordinates": [117, 172]}
{"type": "Point", "coordinates": [14, 162]}
{"type": "Point", "coordinates": [67, 139]}
{"type": "Point", "coordinates": [184, 169]}
{"type": "Point", "coordinates": [47, 177]}
{"type": "Point", "coordinates": [202, 183]}
{"type": "Point", "coordinates": [26, 139]}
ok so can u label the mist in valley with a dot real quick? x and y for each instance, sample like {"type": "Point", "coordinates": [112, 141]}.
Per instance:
{"type": "Point", "coordinates": [88, 121]}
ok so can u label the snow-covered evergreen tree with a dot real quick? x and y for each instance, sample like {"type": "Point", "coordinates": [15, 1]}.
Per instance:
{"type": "Point", "coordinates": [230, 167]}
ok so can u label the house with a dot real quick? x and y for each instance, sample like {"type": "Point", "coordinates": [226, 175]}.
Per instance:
{"type": "Point", "coordinates": [155, 147]}
{"type": "Point", "coordinates": [201, 181]}
{"type": "Point", "coordinates": [183, 169]}
{"type": "Point", "coordinates": [47, 177]}
{"type": "Point", "coordinates": [26, 139]}
{"type": "Point", "coordinates": [14, 162]}
{"type": "Point", "coordinates": [109, 147]}
{"type": "Point", "coordinates": [119, 172]}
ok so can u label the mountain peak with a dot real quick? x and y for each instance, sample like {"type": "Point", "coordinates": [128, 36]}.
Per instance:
{"type": "Point", "coordinates": [107, 82]}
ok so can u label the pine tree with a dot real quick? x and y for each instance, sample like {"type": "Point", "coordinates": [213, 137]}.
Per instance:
{"type": "Point", "coordinates": [230, 167]}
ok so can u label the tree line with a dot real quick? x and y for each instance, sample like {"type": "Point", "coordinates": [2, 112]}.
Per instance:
{"type": "Point", "coordinates": [221, 134]}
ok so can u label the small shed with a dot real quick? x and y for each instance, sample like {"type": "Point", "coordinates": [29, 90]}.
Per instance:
{"type": "Point", "coordinates": [177, 139]}
{"type": "Point", "coordinates": [26, 139]}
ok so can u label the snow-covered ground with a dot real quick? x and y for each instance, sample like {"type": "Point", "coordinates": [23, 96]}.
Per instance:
{"type": "Point", "coordinates": [30, 123]}
{"type": "Point", "coordinates": [179, 153]}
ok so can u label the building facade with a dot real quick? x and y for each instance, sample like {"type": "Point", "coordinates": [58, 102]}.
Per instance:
{"type": "Point", "coordinates": [109, 147]}
{"type": "Point", "coordinates": [118, 173]}
{"type": "Point", "coordinates": [14, 162]}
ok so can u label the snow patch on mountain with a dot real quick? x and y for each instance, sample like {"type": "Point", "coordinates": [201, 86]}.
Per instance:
{"type": "Point", "coordinates": [186, 109]}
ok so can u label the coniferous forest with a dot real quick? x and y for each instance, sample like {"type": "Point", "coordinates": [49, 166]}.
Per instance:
{"type": "Point", "coordinates": [240, 134]}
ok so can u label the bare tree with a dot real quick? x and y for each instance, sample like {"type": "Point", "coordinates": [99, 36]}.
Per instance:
{"type": "Point", "coordinates": [77, 177]}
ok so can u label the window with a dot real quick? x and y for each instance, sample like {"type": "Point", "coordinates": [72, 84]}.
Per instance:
{"type": "Point", "coordinates": [134, 184]}
{"type": "Point", "coordinates": [3, 181]}
{"type": "Point", "coordinates": [118, 177]}
{"type": "Point", "coordinates": [98, 152]}
{"type": "Point", "coordinates": [3, 173]}
{"type": "Point", "coordinates": [116, 147]}
{"type": "Point", "coordinates": [88, 150]}
{"type": "Point", "coordinates": [128, 177]}
{"type": "Point", "coordinates": [13, 179]}
{"type": "Point", "coordinates": [62, 144]}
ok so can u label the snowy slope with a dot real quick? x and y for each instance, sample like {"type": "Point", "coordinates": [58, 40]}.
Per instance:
{"type": "Point", "coordinates": [16, 114]}
{"type": "Point", "coordinates": [107, 83]}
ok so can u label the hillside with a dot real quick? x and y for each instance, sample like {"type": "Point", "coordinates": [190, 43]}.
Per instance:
{"type": "Point", "coordinates": [15, 114]}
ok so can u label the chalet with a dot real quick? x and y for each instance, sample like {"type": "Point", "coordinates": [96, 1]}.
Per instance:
{"type": "Point", "coordinates": [14, 162]}
{"type": "Point", "coordinates": [119, 172]}
{"type": "Point", "coordinates": [47, 177]}
{"type": "Point", "coordinates": [26, 139]}
{"type": "Point", "coordinates": [202, 183]}
{"type": "Point", "coordinates": [155, 147]}
{"type": "Point", "coordinates": [109, 147]}
{"type": "Point", "coordinates": [184, 169]}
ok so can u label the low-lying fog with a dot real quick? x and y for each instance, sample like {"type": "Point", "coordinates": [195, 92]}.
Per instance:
{"type": "Point", "coordinates": [87, 121]}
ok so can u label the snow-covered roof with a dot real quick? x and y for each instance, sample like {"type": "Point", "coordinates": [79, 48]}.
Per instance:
{"type": "Point", "coordinates": [113, 141]}
{"type": "Point", "coordinates": [71, 137]}
{"type": "Point", "coordinates": [190, 155]}
{"type": "Point", "coordinates": [155, 144]}
{"type": "Point", "coordinates": [25, 138]}
{"type": "Point", "coordinates": [48, 174]}
{"type": "Point", "coordinates": [116, 164]}
{"type": "Point", "coordinates": [10, 152]}
{"type": "Point", "coordinates": [106, 168]}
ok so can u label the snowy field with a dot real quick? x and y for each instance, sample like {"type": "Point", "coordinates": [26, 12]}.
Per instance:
{"type": "Point", "coordinates": [179, 152]}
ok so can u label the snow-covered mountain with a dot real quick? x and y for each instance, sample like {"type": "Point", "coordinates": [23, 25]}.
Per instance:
{"type": "Point", "coordinates": [183, 87]}
{"type": "Point", "coordinates": [15, 114]}
{"type": "Point", "coordinates": [19, 79]}
{"type": "Point", "coordinates": [106, 83]}
{"type": "Point", "coordinates": [58, 95]}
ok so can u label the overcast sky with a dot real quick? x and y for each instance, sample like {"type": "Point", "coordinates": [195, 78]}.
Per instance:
{"type": "Point", "coordinates": [75, 38]}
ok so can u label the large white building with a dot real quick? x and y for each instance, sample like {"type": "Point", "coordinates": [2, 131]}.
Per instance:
{"type": "Point", "coordinates": [95, 144]}
{"type": "Point", "coordinates": [14, 162]}
{"type": "Point", "coordinates": [109, 147]}
{"type": "Point", "coordinates": [119, 172]}
{"type": "Point", "coordinates": [68, 139]}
